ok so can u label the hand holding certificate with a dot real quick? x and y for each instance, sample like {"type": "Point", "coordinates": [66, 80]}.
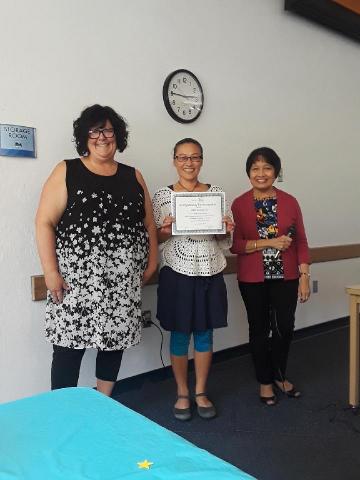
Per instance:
{"type": "Point", "coordinates": [198, 213]}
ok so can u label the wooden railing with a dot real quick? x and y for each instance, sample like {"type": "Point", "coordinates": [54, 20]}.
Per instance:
{"type": "Point", "coordinates": [318, 255]}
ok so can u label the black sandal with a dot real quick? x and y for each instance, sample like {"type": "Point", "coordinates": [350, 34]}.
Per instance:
{"type": "Point", "coordinates": [182, 414]}
{"type": "Point", "coordinates": [205, 412]}
{"type": "Point", "coordinates": [292, 393]}
{"type": "Point", "coordinates": [269, 401]}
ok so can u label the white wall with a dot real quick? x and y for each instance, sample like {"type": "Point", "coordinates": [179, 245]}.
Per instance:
{"type": "Point", "coordinates": [269, 79]}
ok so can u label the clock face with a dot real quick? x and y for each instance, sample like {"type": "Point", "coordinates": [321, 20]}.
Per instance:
{"type": "Point", "coordinates": [183, 96]}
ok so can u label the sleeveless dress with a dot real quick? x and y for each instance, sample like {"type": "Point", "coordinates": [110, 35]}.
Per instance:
{"type": "Point", "coordinates": [102, 248]}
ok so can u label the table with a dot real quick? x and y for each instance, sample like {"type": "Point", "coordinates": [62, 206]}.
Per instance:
{"type": "Point", "coordinates": [78, 433]}
{"type": "Point", "coordinates": [354, 293]}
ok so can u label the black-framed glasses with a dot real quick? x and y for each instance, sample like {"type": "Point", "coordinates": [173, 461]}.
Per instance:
{"type": "Point", "coordinates": [192, 158]}
{"type": "Point", "coordinates": [96, 132]}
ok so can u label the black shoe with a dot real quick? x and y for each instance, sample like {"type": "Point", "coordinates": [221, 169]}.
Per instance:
{"type": "Point", "coordinates": [182, 414]}
{"type": "Point", "coordinates": [269, 401]}
{"type": "Point", "coordinates": [205, 412]}
{"type": "Point", "coordinates": [292, 393]}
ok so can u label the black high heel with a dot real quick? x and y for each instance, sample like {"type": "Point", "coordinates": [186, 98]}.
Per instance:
{"type": "Point", "coordinates": [292, 393]}
{"type": "Point", "coordinates": [269, 401]}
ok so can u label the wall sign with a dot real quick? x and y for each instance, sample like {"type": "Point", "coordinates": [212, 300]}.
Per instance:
{"type": "Point", "coordinates": [17, 141]}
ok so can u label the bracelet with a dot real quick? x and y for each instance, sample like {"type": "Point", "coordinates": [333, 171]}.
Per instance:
{"type": "Point", "coordinates": [255, 245]}
{"type": "Point", "coordinates": [305, 273]}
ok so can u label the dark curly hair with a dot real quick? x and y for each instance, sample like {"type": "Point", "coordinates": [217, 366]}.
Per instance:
{"type": "Point", "coordinates": [268, 154]}
{"type": "Point", "coordinates": [188, 140]}
{"type": "Point", "coordinates": [96, 116]}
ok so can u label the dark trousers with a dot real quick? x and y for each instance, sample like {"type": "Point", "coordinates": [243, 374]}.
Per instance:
{"type": "Point", "coordinates": [66, 363]}
{"type": "Point", "coordinates": [270, 307]}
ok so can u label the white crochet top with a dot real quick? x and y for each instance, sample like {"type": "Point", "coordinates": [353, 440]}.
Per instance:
{"type": "Point", "coordinates": [197, 255]}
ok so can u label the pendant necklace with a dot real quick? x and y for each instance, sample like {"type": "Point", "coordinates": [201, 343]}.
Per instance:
{"type": "Point", "coordinates": [182, 186]}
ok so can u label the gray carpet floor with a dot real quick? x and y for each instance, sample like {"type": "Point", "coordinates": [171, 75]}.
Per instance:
{"type": "Point", "coordinates": [312, 438]}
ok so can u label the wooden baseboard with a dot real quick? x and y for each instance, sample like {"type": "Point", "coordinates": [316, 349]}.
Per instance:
{"type": "Point", "coordinates": [317, 254]}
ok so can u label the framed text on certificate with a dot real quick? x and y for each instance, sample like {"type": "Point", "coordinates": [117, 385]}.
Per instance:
{"type": "Point", "coordinates": [17, 141]}
{"type": "Point", "coordinates": [198, 213]}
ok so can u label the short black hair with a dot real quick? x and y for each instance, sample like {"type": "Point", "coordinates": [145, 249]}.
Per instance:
{"type": "Point", "coordinates": [96, 116]}
{"type": "Point", "coordinates": [188, 140]}
{"type": "Point", "coordinates": [268, 154]}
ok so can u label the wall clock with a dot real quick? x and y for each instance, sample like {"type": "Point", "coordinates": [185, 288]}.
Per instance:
{"type": "Point", "coordinates": [183, 96]}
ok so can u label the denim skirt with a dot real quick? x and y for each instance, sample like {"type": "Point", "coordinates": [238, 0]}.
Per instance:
{"type": "Point", "coordinates": [187, 304]}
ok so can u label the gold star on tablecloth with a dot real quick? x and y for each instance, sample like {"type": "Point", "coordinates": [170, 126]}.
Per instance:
{"type": "Point", "coordinates": [145, 464]}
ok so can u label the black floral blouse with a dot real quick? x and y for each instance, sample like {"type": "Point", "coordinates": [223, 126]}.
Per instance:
{"type": "Point", "coordinates": [266, 223]}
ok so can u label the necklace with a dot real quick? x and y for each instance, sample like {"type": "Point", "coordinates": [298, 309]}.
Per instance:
{"type": "Point", "coordinates": [265, 197]}
{"type": "Point", "coordinates": [187, 189]}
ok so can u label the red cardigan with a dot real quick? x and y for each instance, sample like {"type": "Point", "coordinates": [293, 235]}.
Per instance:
{"type": "Point", "coordinates": [250, 265]}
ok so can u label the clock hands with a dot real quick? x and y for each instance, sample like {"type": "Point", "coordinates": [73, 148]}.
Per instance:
{"type": "Point", "coordinates": [191, 102]}
{"type": "Point", "coordinates": [181, 95]}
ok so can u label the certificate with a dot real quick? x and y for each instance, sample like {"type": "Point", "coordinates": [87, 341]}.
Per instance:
{"type": "Point", "coordinates": [198, 213]}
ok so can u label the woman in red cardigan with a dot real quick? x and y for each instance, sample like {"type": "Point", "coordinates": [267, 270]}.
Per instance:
{"type": "Point", "coordinates": [272, 270]}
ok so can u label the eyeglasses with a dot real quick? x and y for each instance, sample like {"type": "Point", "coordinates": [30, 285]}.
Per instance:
{"type": "Point", "coordinates": [192, 158]}
{"type": "Point", "coordinates": [107, 132]}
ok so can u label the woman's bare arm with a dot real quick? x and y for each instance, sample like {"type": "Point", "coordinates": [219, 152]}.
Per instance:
{"type": "Point", "coordinates": [52, 204]}
{"type": "Point", "coordinates": [150, 226]}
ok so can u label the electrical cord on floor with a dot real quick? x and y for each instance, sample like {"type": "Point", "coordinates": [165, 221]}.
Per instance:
{"type": "Point", "coordinates": [337, 413]}
{"type": "Point", "coordinates": [162, 341]}
{"type": "Point", "coordinates": [336, 410]}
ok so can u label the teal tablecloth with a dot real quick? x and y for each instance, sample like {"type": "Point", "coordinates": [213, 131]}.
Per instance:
{"type": "Point", "coordinates": [77, 433]}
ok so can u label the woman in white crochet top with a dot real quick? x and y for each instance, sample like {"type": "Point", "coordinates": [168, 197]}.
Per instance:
{"type": "Point", "coordinates": [192, 295]}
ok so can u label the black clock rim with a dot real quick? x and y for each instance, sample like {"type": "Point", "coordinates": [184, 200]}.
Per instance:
{"type": "Point", "coordinates": [166, 98]}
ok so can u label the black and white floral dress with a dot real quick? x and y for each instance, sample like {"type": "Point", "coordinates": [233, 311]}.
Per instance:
{"type": "Point", "coordinates": [102, 248]}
